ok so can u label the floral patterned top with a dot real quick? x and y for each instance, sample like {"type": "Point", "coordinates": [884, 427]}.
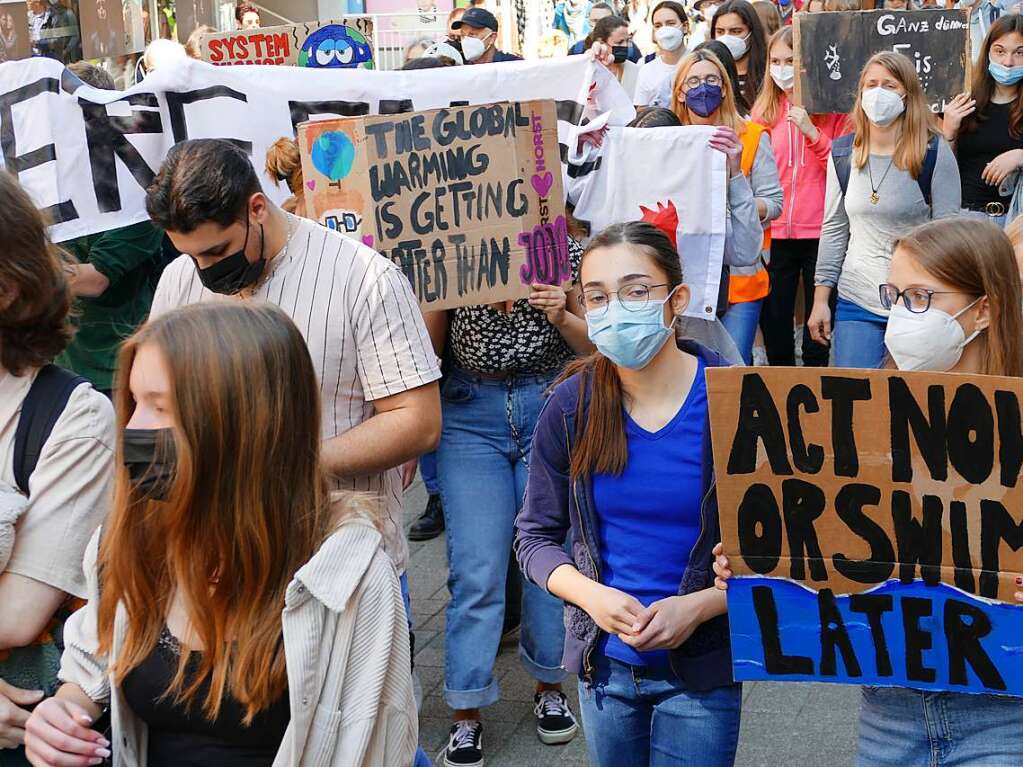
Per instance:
{"type": "Point", "coordinates": [483, 339]}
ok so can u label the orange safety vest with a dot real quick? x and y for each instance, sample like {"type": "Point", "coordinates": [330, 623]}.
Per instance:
{"type": "Point", "coordinates": [756, 284]}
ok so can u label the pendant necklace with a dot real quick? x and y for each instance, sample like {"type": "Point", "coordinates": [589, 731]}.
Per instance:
{"type": "Point", "coordinates": [875, 198]}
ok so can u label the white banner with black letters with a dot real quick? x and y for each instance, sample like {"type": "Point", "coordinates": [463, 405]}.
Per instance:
{"type": "Point", "coordinates": [86, 156]}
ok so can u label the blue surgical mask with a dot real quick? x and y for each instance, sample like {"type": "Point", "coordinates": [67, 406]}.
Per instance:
{"type": "Point", "coordinates": [704, 99]}
{"type": "Point", "coordinates": [1005, 75]}
{"type": "Point", "coordinates": [630, 338]}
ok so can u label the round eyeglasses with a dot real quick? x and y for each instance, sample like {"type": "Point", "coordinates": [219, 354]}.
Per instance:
{"type": "Point", "coordinates": [694, 81]}
{"type": "Point", "coordinates": [595, 301]}
{"type": "Point", "coordinates": [916, 300]}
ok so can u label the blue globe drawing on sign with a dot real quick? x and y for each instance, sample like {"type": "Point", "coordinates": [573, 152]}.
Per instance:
{"type": "Point", "coordinates": [333, 154]}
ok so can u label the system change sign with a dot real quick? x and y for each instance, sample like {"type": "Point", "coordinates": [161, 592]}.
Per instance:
{"type": "Point", "coordinates": [466, 201]}
{"type": "Point", "coordinates": [874, 521]}
{"type": "Point", "coordinates": [344, 44]}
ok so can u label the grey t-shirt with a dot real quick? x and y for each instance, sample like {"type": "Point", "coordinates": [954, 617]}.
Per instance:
{"type": "Point", "coordinates": [857, 236]}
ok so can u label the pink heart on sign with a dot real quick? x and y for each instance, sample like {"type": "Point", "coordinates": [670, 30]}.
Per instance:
{"type": "Point", "coordinates": [367, 239]}
{"type": "Point", "coordinates": [311, 184]}
{"type": "Point", "coordinates": [542, 184]}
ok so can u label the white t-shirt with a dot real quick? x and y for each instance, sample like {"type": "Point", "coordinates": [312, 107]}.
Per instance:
{"type": "Point", "coordinates": [653, 85]}
{"type": "Point", "coordinates": [70, 487]}
{"type": "Point", "coordinates": [362, 325]}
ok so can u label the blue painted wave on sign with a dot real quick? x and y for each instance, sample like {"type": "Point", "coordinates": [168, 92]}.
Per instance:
{"type": "Point", "coordinates": [927, 637]}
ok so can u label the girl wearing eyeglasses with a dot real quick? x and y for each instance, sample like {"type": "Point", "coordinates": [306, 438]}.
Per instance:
{"type": "Point", "coordinates": [621, 458]}
{"type": "Point", "coordinates": [702, 96]}
{"type": "Point", "coordinates": [897, 173]}
{"type": "Point", "coordinates": [954, 295]}
{"type": "Point", "coordinates": [986, 125]}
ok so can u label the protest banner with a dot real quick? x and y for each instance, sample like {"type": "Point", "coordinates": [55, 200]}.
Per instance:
{"type": "Point", "coordinates": [346, 44]}
{"type": "Point", "coordinates": [831, 49]}
{"type": "Point", "coordinates": [625, 181]}
{"type": "Point", "coordinates": [15, 42]}
{"type": "Point", "coordinates": [467, 201]}
{"type": "Point", "coordinates": [873, 523]}
{"type": "Point", "coordinates": [86, 156]}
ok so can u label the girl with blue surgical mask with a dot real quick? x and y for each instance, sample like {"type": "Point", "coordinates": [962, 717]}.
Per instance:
{"type": "Point", "coordinates": [621, 462]}
{"type": "Point", "coordinates": [986, 125]}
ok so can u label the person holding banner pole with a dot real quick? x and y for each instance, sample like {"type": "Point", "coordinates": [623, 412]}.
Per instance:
{"type": "Point", "coordinates": [894, 172]}
{"type": "Point", "coordinates": [501, 362]}
{"type": "Point", "coordinates": [986, 125]}
{"type": "Point", "coordinates": [954, 293]}
{"type": "Point", "coordinates": [701, 98]}
{"type": "Point", "coordinates": [802, 146]}
{"type": "Point", "coordinates": [622, 467]}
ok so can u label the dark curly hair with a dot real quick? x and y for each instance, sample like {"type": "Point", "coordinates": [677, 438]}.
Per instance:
{"type": "Point", "coordinates": [35, 298]}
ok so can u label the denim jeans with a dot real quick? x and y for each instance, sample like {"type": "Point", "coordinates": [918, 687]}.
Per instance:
{"type": "Point", "coordinates": [421, 759]}
{"type": "Point", "coordinates": [858, 344]}
{"type": "Point", "coordinates": [741, 322]}
{"type": "Point", "coordinates": [900, 727]}
{"type": "Point", "coordinates": [636, 716]}
{"type": "Point", "coordinates": [428, 468]}
{"type": "Point", "coordinates": [484, 447]}
{"type": "Point", "coordinates": [980, 215]}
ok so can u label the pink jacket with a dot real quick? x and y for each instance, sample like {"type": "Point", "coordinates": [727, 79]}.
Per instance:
{"type": "Point", "coordinates": [803, 172]}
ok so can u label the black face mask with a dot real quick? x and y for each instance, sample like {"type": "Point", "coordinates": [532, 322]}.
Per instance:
{"type": "Point", "coordinates": [151, 461]}
{"type": "Point", "coordinates": [234, 273]}
{"type": "Point", "coordinates": [620, 52]}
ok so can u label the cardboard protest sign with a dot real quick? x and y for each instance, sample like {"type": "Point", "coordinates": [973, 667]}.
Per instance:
{"type": "Point", "coordinates": [831, 49]}
{"type": "Point", "coordinates": [874, 523]}
{"type": "Point", "coordinates": [467, 201]}
{"type": "Point", "coordinates": [346, 44]}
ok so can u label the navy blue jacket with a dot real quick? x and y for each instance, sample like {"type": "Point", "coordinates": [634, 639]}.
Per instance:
{"type": "Point", "coordinates": [555, 504]}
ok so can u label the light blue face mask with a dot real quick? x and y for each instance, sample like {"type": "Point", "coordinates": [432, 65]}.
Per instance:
{"type": "Point", "coordinates": [1005, 75]}
{"type": "Point", "coordinates": [630, 337]}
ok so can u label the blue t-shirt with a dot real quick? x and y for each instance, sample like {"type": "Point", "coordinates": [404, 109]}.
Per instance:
{"type": "Point", "coordinates": [650, 515]}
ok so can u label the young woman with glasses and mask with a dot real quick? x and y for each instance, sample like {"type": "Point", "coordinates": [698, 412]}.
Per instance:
{"type": "Point", "coordinates": [955, 299]}
{"type": "Point", "coordinates": [986, 125]}
{"type": "Point", "coordinates": [621, 463]}
{"type": "Point", "coordinates": [891, 163]}
{"type": "Point", "coordinates": [702, 96]}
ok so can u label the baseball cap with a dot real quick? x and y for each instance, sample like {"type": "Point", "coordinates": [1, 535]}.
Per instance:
{"type": "Point", "coordinates": [477, 17]}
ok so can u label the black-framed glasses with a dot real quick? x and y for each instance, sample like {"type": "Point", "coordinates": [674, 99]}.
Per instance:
{"type": "Point", "coordinates": [916, 300]}
{"type": "Point", "coordinates": [633, 296]}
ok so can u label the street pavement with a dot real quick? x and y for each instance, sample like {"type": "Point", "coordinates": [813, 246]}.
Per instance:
{"type": "Point", "coordinates": [800, 724]}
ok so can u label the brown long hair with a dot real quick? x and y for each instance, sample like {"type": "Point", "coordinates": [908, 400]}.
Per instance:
{"type": "Point", "coordinates": [603, 29]}
{"type": "Point", "coordinates": [917, 120]}
{"type": "Point", "coordinates": [248, 505]}
{"type": "Point", "coordinates": [976, 257]}
{"type": "Point", "coordinates": [983, 86]}
{"type": "Point", "coordinates": [727, 113]}
{"type": "Point", "coordinates": [600, 442]}
{"type": "Point", "coordinates": [35, 298]}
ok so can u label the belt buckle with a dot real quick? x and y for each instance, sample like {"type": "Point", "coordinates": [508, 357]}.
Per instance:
{"type": "Point", "coordinates": [995, 209]}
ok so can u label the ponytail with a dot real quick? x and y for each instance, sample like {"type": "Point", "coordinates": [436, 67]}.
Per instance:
{"type": "Point", "coordinates": [284, 163]}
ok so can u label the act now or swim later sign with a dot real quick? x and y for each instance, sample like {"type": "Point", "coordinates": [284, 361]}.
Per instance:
{"type": "Point", "coordinates": [467, 201]}
{"type": "Point", "coordinates": [874, 523]}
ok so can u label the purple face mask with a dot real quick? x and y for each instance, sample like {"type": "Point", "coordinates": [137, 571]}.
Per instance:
{"type": "Point", "coordinates": [704, 99]}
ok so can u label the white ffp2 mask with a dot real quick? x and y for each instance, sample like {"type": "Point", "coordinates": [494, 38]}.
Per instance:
{"type": "Point", "coordinates": [882, 106]}
{"type": "Point", "coordinates": [737, 46]}
{"type": "Point", "coordinates": [931, 341]}
{"type": "Point", "coordinates": [784, 76]}
{"type": "Point", "coordinates": [669, 38]}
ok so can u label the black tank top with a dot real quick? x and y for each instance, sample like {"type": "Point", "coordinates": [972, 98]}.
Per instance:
{"type": "Point", "coordinates": [181, 736]}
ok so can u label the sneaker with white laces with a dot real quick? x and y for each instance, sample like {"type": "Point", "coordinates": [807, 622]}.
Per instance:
{"type": "Point", "coordinates": [555, 723]}
{"type": "Point", "coordinates": [465, 744]}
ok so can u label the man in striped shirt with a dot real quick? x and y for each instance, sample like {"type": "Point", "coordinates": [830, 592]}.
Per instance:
{"type": "Point", "coordinates": [355, 309]}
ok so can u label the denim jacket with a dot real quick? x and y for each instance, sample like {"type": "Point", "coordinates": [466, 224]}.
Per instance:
{"type": "Point", "coordinates": [555, 504]}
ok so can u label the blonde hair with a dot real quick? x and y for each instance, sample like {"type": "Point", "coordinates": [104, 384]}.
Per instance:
{"type": "Point", "coordinates": [193, 47]}
{"type": "Point", "coordinates": [767, 108]}
{"type": "Point", "coordinates": [284, 163]}
{"type": "Point", "coordinates": [727, 114]}
{"type": "Point", "coordinates": [917, 121]}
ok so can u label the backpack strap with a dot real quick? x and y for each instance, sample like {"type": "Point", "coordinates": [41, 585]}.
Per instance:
{"type": "Point", "coordinates": [42, 407]}
{"type": "Point", "coordinates": [841, 155]}
{"type": "Point", "coordinates": [927, 171]}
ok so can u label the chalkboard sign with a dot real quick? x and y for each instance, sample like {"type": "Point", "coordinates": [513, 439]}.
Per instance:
{"type": "Point", "coordinates": [831, 49]}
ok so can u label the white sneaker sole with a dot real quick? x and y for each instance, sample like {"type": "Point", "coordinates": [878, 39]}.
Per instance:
{"type": "Point", "coordinates": [549, 738]}
{"type": "Point", "coordinates": [460, 764]}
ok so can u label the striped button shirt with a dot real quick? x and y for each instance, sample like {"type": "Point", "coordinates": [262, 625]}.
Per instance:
{"type": "Point", "coordinates": [364, 330]}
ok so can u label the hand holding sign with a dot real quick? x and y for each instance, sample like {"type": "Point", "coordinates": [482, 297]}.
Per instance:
{"type": "Point", "coordinates": [551, 300]}
{"type": "Point", "coordinates": [726, 141]}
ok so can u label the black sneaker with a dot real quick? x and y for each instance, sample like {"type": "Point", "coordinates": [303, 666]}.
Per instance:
{"type": "Point", "coordinates": [430, 523]}
{"type": "Point", "coordinates": [465, 744]}
{"type": "Point", "coordinates": [555, 723]}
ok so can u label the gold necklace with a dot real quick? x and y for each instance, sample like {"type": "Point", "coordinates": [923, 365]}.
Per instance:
{"type": "Point", "coordinates": [875, 198]}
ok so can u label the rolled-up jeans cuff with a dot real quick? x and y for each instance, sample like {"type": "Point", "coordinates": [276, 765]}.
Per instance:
{"type": "Point", "coordinates": [545, 674]}
{"type": "Point", "coordinates": [461, 700]}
